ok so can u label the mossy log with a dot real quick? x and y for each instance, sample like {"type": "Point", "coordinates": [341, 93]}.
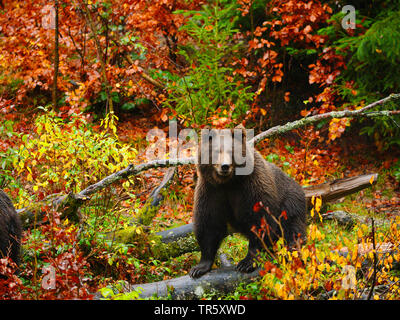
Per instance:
{"type": "Point", "coordinates": [67, 204]}
{"type": "Point", "coordinates": [223, 280]}
{"type": "Point", "coordinates": [163, 249]}
{"type": "Point", "coordinates": [165, 244]}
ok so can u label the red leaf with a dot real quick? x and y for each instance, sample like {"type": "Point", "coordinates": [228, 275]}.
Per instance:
{"type": "Point", "coordinates": [257, 207]}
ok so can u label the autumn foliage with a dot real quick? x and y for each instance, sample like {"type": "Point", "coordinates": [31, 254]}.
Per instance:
{"type": "Point", "coordinates": [128, 66]}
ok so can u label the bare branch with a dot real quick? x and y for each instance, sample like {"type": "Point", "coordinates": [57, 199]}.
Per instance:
{"type": "Point", "coordinates": [330, 115]}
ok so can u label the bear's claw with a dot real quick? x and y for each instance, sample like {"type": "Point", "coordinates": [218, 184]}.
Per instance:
{"type": "Point", "coordinates": [200, 269]}
{"type": "Point", "coordinates": [246, 265]}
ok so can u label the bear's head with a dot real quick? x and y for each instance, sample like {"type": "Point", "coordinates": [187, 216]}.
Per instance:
{"type": "Point", "coordinates": [224, 154]}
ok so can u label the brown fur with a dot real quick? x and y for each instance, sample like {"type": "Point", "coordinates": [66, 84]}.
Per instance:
{"type": "Point", "coordinates": [10, 229]}
{"type": "Point", "coordinates": [222, 198]}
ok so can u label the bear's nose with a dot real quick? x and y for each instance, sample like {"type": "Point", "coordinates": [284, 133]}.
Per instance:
{"type": "Point", "coordinates": [225, 167]}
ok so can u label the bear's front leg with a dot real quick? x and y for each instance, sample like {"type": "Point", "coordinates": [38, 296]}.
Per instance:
{"type": "Point", "coordinates": [209, 241]}
{"type": "Point", "coordinates": [210, 225]}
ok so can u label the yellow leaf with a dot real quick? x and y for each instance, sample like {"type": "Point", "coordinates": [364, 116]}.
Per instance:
{"type": "Point", "coordinates": [318, 204]}
{"type": "Point", "coordinates": [371, 181]}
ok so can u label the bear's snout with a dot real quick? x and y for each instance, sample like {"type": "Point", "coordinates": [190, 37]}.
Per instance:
{"type": "Point", "coordinates": [224, 169]}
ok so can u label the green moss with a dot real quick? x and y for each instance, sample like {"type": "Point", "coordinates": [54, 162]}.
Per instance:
{"type": "Point", "coordinates": [164, 251]}
{"type": "Point", "coordinates": [147, 213]}
{"type": "Point", "coordinates": [127, 235]}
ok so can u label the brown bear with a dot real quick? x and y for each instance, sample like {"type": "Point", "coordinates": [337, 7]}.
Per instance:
{"type": "Point", "coordinates": [224, 196]}
{"type": "Point", "coordinates": [10, 229]}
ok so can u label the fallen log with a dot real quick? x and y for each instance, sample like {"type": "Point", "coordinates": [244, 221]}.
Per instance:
{"type": "Point", "coordinates": [223, 280]}
{"type": "Point", "coordinates": [362, 112]}
{"type": "Point", "coordinates": [69, 204]}
{"type": "Point", "coordinates": [331, 191]}
{"type": "Point", "coordinates": [161, 248]}
{"type": "Point", "coordinates": [33, 213]}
